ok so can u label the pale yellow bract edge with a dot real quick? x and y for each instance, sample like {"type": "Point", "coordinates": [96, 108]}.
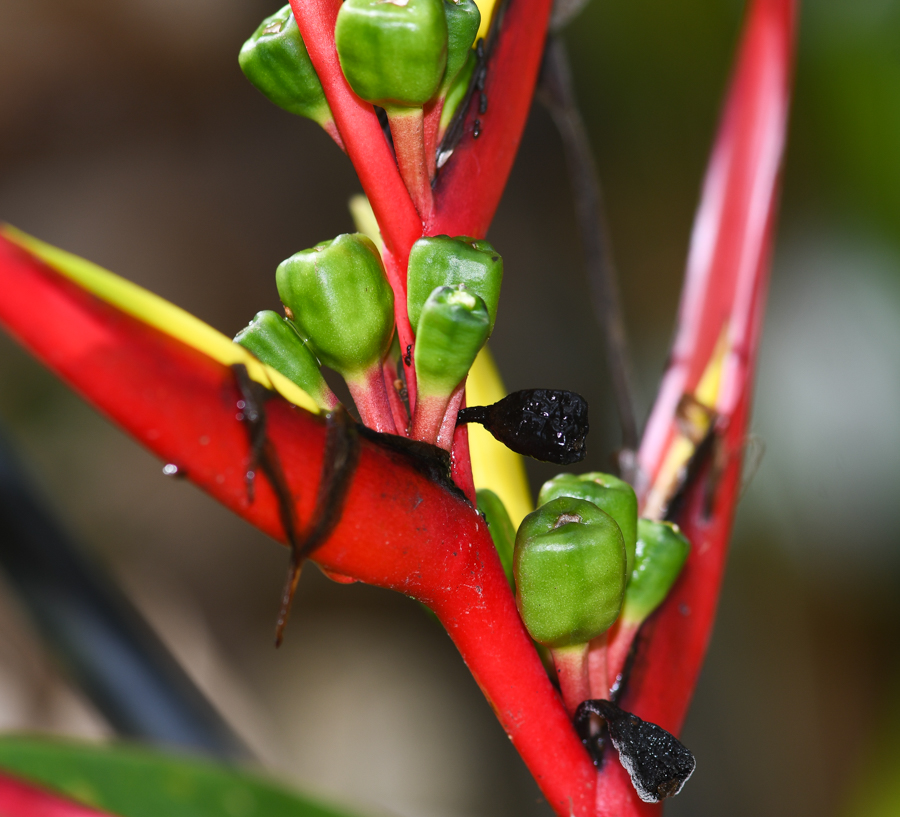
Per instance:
{"type": "Point", "coordinates": [494, 466]}
{"type": "Point", "coordinates": [486, 7]}
{"type": "Point", "coordinates": [160, 314]}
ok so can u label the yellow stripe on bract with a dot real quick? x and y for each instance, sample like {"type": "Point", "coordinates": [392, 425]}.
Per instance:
{"type": "Point", "coordinates": [486, 7]}
{"type": "Point", "coordinates": [681, 449]}
{"type": "Point", "coordinates": [158, 313]}
{"type": "Point", "coordinates": [707, 391]}
{"type": "Point", "coordinates": [494, 466]}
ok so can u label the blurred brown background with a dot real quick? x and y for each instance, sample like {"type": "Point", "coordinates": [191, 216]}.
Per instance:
{"type": "Point", "coordinates": [128, 135]}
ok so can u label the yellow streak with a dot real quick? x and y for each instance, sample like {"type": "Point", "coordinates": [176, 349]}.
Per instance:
{"type": "Point", "coordinates": [494, 466]}
{"type": "Point", "coordinates": [486, 7]}
{"type": "Point", "coordinates": [681, 449]}
{"type": "Point", "coordinates": [159, 313]}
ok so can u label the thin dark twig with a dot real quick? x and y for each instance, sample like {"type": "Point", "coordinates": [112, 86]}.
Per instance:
{"type": "Point", "coordinates": [556, 92]}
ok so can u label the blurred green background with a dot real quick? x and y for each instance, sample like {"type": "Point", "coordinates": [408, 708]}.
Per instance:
{"type": "Point", "coordinates": [128, 135]}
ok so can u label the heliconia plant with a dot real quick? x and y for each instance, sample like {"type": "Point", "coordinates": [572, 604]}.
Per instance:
{"type": "Point", "coordinates": [378, 502]}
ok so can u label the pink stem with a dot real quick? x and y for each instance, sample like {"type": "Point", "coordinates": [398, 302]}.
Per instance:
{"type": "Point", "coordinates": [448, 424]}
{"type": "Point", "coordinates": [598, 666]}
{"type": "Point", "coordinates": [398, 410]}
{"type": "Point", "coordinates": [428, 419]}
{"type": "Point", "coordinates": [395, 268]}
{"type": "Point", "coordinates": [572, 670]}
{"type": "Point", "coordinates": [462, 462]}
{"type": "Point", "coordinates": [371, 400]}
{"type": "Point", "coordinates": [617, 648]}
{"type": "Point", "coordinates": [408, 132]}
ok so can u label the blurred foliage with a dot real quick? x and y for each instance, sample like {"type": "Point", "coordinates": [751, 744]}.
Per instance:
{"type": "Point", "coordinates": [132, 782]}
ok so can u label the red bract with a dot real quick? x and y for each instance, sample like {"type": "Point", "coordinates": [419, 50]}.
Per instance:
{"type": "Point", "coordinates": [401, 530]}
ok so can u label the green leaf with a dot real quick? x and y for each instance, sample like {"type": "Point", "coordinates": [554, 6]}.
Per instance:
{"type": "Point", "coordinates": [135, 782]}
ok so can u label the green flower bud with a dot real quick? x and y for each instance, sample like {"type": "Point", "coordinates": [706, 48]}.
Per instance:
{"type": "Point", "coordinates": [500, 527]}
{"type": "Point", "coordinates": [339, 298]}
{"type": "Point", "coordinates": [392, 52]}
{"type": "Point", "coordinates": [662, 550]}
{"type": "Point", "coordinates": [441, 261]}
{"type": "Point", "coordinates": [609, 493]}
{"type": "Point", "coordinates": [457, 93]}
{"type": "Point", "coordinates": [569, 565]}
{"type": "Point", "coordinates": [276, 61]}
{"type": "Point", "coordinates": [463, 21]}
{"type": "Point", "coordinates": [275, 341]}
{"type": "Point", "coordinates": [453, 327]}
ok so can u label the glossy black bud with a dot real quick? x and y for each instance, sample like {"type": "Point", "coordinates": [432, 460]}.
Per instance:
{"type": "Point", "coordinates": [546, 424]}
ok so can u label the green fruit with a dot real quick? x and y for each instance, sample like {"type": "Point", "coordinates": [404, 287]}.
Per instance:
{"type": "Point", "coordinates": [662, 550]}
{"type": "Point", "coordinates": [609, 493]}
{"type": "Point", "coordinates": [569, 565]}
{"type": "Point", "coordinates": [275, 341]}
{"type": "Point", "coordinates": [340, 300]}
{"type": "Point", "coordinates": [500, 527]}
{"type": "Point", "coordinates": [438, 261]}
{"type": "Point", "coordinates": [392, 52]}
{"type": "Point", "coordinates": [453, 327]}
{"type": "Point", "coordinates": [463, 20]}
{"type": "Point", "coordinates": [276, 61]}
